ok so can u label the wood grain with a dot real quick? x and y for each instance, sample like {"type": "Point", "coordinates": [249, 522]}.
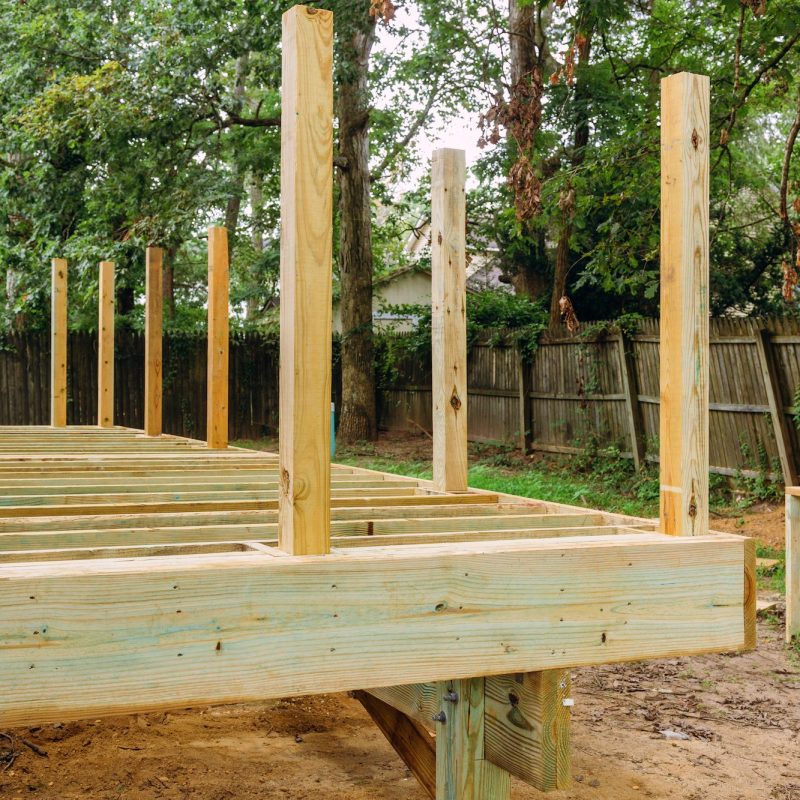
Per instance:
{"type": "Point", "coordinates": [153, 368]}
{"type": "Point", "coordinates": [105, 347]}
{"type": "Point", "coordinates": [449, 320]}
{"type": "Point", "coordinates": [217, 404]}
{"type": "Point", "coordinates": [683, 436]}
{"type": "Point", "coordinates": [306, 275]}
{"type": "Point", "coordinates": [58, 344]}
{"type": "Point", "coordinates": [792, 566]}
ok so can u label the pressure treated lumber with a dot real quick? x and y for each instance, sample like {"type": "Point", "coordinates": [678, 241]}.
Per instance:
{"type": "Point", "coordinates": [217, 414]}
{"type": "Point", "coordinates": [306, 279]}
{"type": "Point", "coordinates": [152, 342]}
{"type": "Point", "coordinates": [449, 321]}
{"type": "Point", "coordinates": [792, 566]}
{"type": "Point", "coordinates": [105, 347]}
{"type": "Point", "coordinates": [683, 437]}
{"type": "Point", "coordinates": [412, 742]}
{"type": "Point", "coordinates": [58, 343]}
{"type": "Point", "coordinates": [252, 626]}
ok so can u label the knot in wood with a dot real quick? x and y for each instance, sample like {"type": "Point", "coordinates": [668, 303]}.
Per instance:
{"type": "Point", "coordinates": [695, 138]}
{"type": "Point", "coordinates": [455, 402]}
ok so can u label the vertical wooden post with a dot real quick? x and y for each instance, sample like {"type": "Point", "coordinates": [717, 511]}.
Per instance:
{"type": "Point", "coordinates": [462, 772]}
{"type": "Point", "coordinates": [306, 288]}
{"type": "Point", "coordinates": [152, 342]}
{"type": "Point", "coordinates": [684, 304]}
{"type": "Point", "coordinates": [58, 344]}
{"type": "Point", "coordinates": [217, 416]}
{"type": "Point", "coordinates": [449, 320]}
{"type": "Point", "coordinates": [105, 347]}
{"type": "Point", "coordinates": [525, 405]}
{"type": "Point", "coordinates": [627, 371]}
{"type": "Point", "coordinates": [792, 565]}
{"type": "Point", "coordinates": [772, 386]}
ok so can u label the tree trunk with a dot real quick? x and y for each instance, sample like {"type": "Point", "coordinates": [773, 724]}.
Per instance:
{"type": "Point", "coordinates": [564, 256]}
{"type": "Point", "coordinates": [234, 204]}
{"type": "Point", "coordinates": [169, 282]}
{"type": "Point", "coordinates": [358, 417]}
{"type": "Point", "coordinates": [256, 189]}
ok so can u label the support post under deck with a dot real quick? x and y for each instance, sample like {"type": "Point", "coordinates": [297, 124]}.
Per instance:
{"type": "Point", "coordinates": [105, 347]}
{"type": "Point", "coordinates": [217, 397]}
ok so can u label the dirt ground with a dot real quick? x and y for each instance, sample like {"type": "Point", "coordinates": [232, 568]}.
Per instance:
{"type": "Point", "coordinates": [724, 727]}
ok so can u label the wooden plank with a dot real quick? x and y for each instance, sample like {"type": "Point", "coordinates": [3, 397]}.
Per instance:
{"type": "Point", "coordinates": [252, 627]}
{"type": "Point", "coordinates": [306, 274]}
{"type": "Point", "coordinates": [528, 727]}
{"type": "Point", "coordinates": [105, 347]}
{"type": "Point", "coordinates": [449, 321]}
{"type": "Point", "coordinates": [683, 437]}
{"type": "Point", "coordinates": [152, 342]}
{"type": "Point", "coordinates": [58, 343]}
{"type": "Point", "coordinates": [462, 772]}
{"type": "Point", "coordinates": [627, 371]}
{"type": "Point", "coordinates": [410, 740]}
{"type": "Point", "coordinates": [792, 566]}
{"type": "Point", "coordinates": [217, 406]}
{"type": "Point", "coordinates": [780, 426]}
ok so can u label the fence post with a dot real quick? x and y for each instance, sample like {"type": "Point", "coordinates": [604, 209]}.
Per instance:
{"type": "Point", "coordinates": [769, 374]}
{"type": "Point", "coordinates": [58, 344]}
{"type": "Point", "coordinates": [105, 347]}
{"type": "Point", "coordinates": [630, 388]}
{"type": "Point", "coordinates": [683, 433]}
{"type": "Point", "coordinates": [449, 320]}
{"type": "Point", "coordinates": [525, 405]}
{"type": "Point", "coordinates": [152, 342]}
{"type": "Point", "coordinates": [217, 394]}
{"type": "Point", "coordinates": [306, 281]}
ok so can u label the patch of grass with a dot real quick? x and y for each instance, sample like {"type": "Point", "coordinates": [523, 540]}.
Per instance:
{"type": "Point", "coordinates": [774, 578]}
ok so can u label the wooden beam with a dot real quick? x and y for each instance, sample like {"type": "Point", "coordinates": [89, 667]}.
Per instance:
{"type": "Point", "coordinates": [306, 274]}
{"type": "Point", "coordinates": [213, 628]}
{"type": "Point", "coordinates": [792, 566]}
{"type": "Point", "coordinates": [627, 371]}
{"type": "Point", "coordinates": [217, 419]}
{"type": "Point", "coordinates": [410, 740]}
{"type": "Point", "coordinates": [449, 321]}
{"type": "Point", "coordinates": [683, 434]}
{"type": "Point", "coordinates": [152, 342]}
{"type": "Point", "coordinates": [105, 347]}
{"type": "Point", "coordinates": [58, 344]}
{"type": "Point", "coordinates": [772, 387]}
{"type": "Point", "coordinates": [462, 771]}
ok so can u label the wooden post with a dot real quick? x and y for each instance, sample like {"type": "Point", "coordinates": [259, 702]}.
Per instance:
{"type": "Point", "coordinates": [105, 347]}
{"type": "Point", "coordinates": [684, 304]}
{"type": "Point", "coordinates": [792, 564]}
{"type": "Point", "coordinates": [306, 288]}
{"type": "Point", "coordinates": [627, 371]}
{"type": "Point", "coordinates": [152, 342]}
{"type": "Point", "coordinates": [449, 321]}
{"type": "Point", "coordinates": [58, 344]}
{"type": "Point", "coordinates": [772, 386]}
{"type": "Point", "coordinates": [462, 772]}
{"type": "Point", "coordinates": [217, 417]}
{"type": "Point", "coordinates": [525, 405]}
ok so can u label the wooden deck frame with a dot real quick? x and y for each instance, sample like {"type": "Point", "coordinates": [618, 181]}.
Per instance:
{"type": "Point", "coordinates": [140, 572]}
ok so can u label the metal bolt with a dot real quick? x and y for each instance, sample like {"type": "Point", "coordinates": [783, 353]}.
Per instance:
{"type": "Point", "coordinates": [451, 696]}
{"type": "Point", "coordinates": [440, 717]}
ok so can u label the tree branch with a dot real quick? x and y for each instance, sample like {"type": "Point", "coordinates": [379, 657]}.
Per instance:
{"type": "Point", "coordinates": [787, 158]}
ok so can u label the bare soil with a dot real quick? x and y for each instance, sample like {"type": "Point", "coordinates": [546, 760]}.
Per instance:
{"type": "Point", "coordinates": [724, 727]}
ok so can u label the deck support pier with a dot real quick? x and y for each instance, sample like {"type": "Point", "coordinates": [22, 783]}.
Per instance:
{"type": "Point", "coordinates": [792, 563]}
{"type": "Point", "coordinates": [152, 342]}
{"type": "Point", "coordinates": [217, 411]}
{"type": "Point", "coordinates": [306, 280]}
{"type": "Point", "coordinates": [683, 435]}
{"type": "Point", "coordinates": [105, 347]}
{"type": "Point", "coordinates": [58, 344]}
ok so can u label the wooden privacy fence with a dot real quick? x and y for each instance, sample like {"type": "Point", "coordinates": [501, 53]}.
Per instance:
{"type": "Point", "coordinates": [578, 391]}
{"type": "Point", "coordinates": [602, 388]}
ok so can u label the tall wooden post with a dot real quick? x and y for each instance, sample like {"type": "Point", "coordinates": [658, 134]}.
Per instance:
{"type": "Point", "coordinates": [105, 347]}
{"type": "Point", "coordinates": [58, 344]}
{"type": "Point", "coordinates": [217, 417]}
{"type": "Point", "coordinates": [792, 563]}
{"type": "Point", "coordinates": [306, 290]}
{"type": "Point", "coordinates": [449, 320]}
{"type": "Point", "coordinates": [684, 304]}
{"type": "Point", "coordinates": [152, 342]}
